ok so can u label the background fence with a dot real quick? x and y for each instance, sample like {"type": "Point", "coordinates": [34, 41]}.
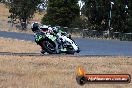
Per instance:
{"type": "Point", "coordinates": [99, 34]}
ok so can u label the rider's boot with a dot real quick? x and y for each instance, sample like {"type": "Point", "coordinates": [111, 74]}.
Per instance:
{"type": "Point", "coordinates": [43, 51]}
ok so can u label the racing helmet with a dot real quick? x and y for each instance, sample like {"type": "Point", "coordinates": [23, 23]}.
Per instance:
{"type": "Point", "coordinates": [35, 27]}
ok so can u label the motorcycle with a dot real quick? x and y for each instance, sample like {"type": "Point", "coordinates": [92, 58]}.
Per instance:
{"type": "Point", "coordinates": [49, 43]}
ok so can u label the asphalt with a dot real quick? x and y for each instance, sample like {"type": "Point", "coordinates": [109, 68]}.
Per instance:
{"type": "Point", "coordinates": [89, 47]}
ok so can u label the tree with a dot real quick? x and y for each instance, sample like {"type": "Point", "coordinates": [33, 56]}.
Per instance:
{"type": "Point", "coordinates": [96, 11]}
{"type": "Point", "coordinates": [43, 5]}
{"type": "Point", "coordinates": [61, 12]}
{"type": "Point", "coordinates": [23, 10]}
{"type": "Point", "coordinates": [129, 17]}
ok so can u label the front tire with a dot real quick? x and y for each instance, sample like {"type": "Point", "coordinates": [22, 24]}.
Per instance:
{"type": "Point", "coordinates": [70, 51]}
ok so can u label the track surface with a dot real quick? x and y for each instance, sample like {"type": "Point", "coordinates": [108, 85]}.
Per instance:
{"type": "Point", "coordinates": [88, 46]}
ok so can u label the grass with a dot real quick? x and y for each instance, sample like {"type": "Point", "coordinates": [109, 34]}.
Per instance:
{"type": "Point", "coordinates": [18, 46]}
{"type": "Point", "coordinates": [57, 71]}
{"type": "Point", "coordinates": [54, 71]}
{"type": "Point", "coordinates": [4, 13]}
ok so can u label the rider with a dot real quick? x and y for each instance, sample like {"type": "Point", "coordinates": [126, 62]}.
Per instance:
{"type": "Point", "coordinates": [56, 31]}
{"type": "Point", "coordinates": [60, 36]}
{"type": "Point", "coordinates": [36, 28]}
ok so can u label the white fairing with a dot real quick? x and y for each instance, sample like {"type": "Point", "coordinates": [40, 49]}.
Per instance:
{"type": "Point", "coordinates": [71, 42]}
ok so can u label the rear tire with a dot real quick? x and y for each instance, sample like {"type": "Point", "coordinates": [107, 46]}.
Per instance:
{"type": "Point", "coordinates": [42, 51]}
{"type": "Point", "coordinates": [49, 47]}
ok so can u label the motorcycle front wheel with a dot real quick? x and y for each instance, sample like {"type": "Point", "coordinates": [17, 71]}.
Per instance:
{"type": "Point", "coordinates": [70, 51]}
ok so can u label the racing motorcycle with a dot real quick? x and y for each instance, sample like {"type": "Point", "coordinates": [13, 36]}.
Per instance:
{"type": "Point", "coordinates": [49, 43]}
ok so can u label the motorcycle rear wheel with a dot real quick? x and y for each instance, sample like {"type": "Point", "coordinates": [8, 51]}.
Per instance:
{"type": "Point", "coordinates": [49, 47]}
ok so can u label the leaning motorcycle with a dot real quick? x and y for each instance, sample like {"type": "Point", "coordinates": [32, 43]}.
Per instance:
{"type": "Point", "coordinates": [48, 42]}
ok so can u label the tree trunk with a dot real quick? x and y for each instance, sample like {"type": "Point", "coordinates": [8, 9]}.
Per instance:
{"type": "Point", "coordinates": [24, 24]}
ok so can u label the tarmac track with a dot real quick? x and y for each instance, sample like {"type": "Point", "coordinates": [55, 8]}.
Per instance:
{"type": "Point", "coordinates": [89, 47]}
